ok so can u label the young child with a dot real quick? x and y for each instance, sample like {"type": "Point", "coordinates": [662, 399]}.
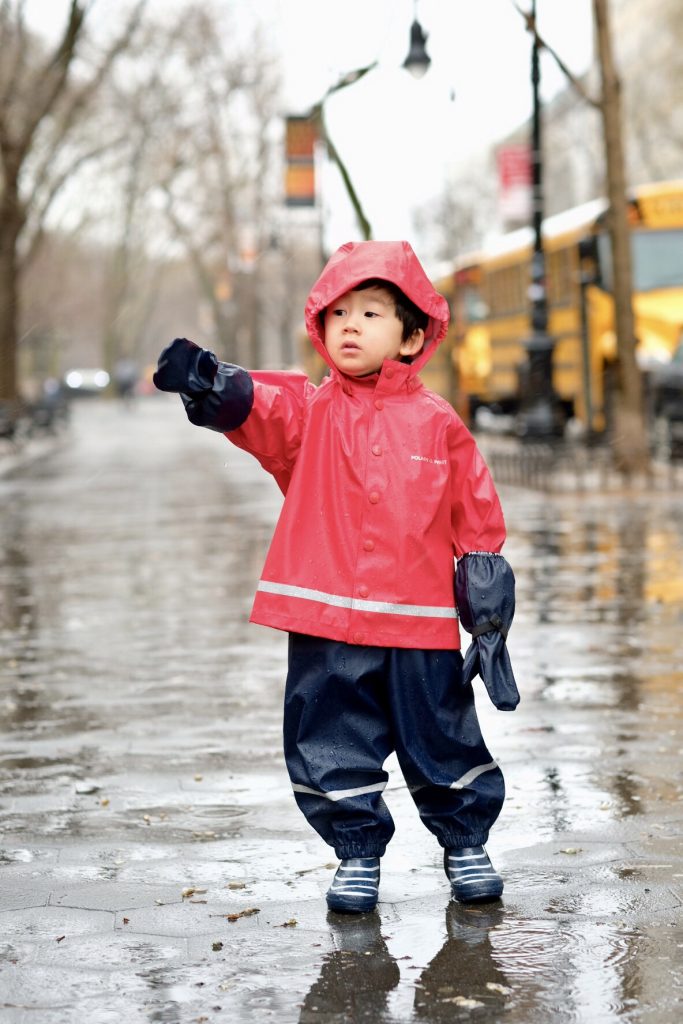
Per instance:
{"type": "Point", "coordinates": [384, 487]}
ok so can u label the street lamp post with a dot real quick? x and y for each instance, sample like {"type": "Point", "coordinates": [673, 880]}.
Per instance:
{"type": "Point", "coordinates": [541, 414]}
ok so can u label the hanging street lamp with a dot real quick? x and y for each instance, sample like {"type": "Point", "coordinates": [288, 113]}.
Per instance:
{"type": "Point", "coordinates": [418, 60]}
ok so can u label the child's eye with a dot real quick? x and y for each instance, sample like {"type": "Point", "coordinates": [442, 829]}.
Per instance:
{"type": "Point", "coordinates": [369, 312]}
{"type": "Point", "coordinates": [337, 312]}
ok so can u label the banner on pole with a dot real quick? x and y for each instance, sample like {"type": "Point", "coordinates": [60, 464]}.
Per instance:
{"type": "Point", "coordinates": [514, 183]}
{"type": "Point", "coordinates": [300, 139]}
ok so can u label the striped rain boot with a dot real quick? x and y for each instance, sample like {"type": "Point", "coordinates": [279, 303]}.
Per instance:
{"type": "Point", "coordinates": [355, 886]}
{"type": "Point", "coordinates": [471, 874]}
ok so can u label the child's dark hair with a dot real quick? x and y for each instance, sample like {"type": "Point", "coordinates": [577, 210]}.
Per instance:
{"type": "Point", "coordinates": [410, 315]}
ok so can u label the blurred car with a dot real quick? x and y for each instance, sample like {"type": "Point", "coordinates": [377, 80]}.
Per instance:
{"type": "Point", "coordinates": [86, 381]}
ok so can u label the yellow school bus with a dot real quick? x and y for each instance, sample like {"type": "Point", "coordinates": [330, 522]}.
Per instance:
{"type": "Point", "coordinates": [488, 293]}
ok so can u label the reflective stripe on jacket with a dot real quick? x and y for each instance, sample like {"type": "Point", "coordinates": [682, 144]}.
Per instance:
{"type": "Point", "coordinates": [383, 484]}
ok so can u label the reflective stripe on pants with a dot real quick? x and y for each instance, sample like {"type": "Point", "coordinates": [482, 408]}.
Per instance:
{"type": "Point", "coordinates": [348, 707]}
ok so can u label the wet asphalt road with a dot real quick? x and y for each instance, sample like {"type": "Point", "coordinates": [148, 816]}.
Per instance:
{"type": "Point", "coordinates": [153, 864]}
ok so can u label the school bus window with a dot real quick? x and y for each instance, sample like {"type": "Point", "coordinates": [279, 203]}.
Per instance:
{"type": "Point", "coordinates": [520, 289]}
{"type": "Point", "coordinates": [566, 278]}
{"type": "Point", "coordinates": [508, 292]}
{"type": "Point", "coordinates": [560, 284]}
{"type": "Point", "coordinates": [494, 292]}
{"type": "Point", "coordinates": [657, 259]}
{"type": "Point", "coordinates": [605, 261]}
{"type": "Point", "coordinates": [502, 291]}
{"type": "Point", "coordinates": [475, 307]}
{"type": "Point", "coordinates": [505, 291]}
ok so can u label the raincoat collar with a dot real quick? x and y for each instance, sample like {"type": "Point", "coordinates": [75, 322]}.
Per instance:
{"type": "Point", "coordinates": [355, 262]}
{"type": "Point", "coordinates": [393, 377]}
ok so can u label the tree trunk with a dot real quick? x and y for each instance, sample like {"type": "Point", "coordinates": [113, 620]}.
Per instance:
{"type": "Point", "coordinates": [629, 442]}
{"type": "Point", "coordinates": [10, 226]}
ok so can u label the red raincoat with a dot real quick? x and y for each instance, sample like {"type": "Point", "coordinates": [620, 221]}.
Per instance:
{"type": "Point", "coordinates": [383, 483]}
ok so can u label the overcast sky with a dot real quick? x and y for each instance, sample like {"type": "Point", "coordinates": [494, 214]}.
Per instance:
{"type": "Point", "coordinates": [399, 136]}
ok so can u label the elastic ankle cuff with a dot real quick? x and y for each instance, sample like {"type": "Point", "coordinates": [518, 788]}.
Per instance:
{"type": "Point", "coordinates": [347, 852]}
{"type": "Point", "coordinates": [457, 842]}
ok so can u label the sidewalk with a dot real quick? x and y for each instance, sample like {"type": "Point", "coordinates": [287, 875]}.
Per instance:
{"type": "Point", "coordinates": [154, 866]}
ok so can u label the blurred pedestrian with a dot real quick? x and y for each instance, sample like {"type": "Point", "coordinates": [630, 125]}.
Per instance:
{"type": "Point", "coordinates": [384, 486]}
{"type": "Point", "coordinates": [125, 378]}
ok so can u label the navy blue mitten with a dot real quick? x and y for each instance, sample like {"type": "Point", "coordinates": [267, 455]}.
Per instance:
{"type": "Point", "coordinates": [485, 596]}
{"type": "Point", "coordinates": [215, 395]}
{"type": "Point", "coordinates": [184, 366]}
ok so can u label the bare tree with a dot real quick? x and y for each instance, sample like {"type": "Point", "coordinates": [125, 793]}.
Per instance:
{"type": "Point", "coordinates": [629, 442]}
{"type": "Point", "coordinates": [42, 102]}
{"type": "Point", "coordinates": [653, 53]}
{"type": "Point", "coordinates": [207, 125]}
{"type": "Point", "coordinates": [457, 218]}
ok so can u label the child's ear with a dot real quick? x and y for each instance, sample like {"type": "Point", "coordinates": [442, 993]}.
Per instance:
{"type": "Point", "coordinates": [412, 345]}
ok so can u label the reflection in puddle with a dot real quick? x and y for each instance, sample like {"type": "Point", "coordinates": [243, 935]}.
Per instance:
{"type": "Point", "coordinates": [355, 979]}
{"type": "Point", "coordinates": [490, 964]}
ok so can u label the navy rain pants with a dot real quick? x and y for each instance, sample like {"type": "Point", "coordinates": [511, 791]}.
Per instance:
{"type": "Point", "coordinates": [348, 707]}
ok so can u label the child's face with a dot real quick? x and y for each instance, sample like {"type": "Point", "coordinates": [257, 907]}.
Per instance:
{"type": "Point", "coordinates": [362, 330]}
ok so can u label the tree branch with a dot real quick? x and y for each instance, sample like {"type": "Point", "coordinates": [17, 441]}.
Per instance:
{"type": "Point", "coordinates": [55, 188]}
{"type": "Point", "coordinates": [19, 39]}
{"type": "Point", "coordinates": [318, 116]}
{"type": "Point", "coordinates": [58, 69]}
{"type": "Point", "coordinates": [541, 43]}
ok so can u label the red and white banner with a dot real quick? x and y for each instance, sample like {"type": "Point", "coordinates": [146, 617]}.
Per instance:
{"type": "Point", "coordinates": [514, 182]}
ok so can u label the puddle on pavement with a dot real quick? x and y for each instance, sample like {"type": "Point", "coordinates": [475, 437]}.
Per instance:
{"type": "Point", "coordinates": [125, 656]}
{"type": "Point", "coordinates": [488, 966]}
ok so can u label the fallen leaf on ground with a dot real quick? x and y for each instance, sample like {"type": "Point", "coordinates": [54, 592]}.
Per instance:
{"type": "Point", "coordinates": [236, 885]}
{"type": "Point", "coordinates": [318, 867]}
{"type": "Point", "coordinates": [571, 849]}
{"type": "Point", "coordinates": [292, 923]}
{"type": "Point", "coordinates": [61, 938]}
{"type": "Point", "coordinates": [469, 1004]}
{"type": "Point", "coordinates": [243, 913]}
{"type": "Point", "coordinates": [503, 989]}
{"type": "Point", "coordinates": [216, 946]}
{"type": "Point", "coordinates": [191, 891]}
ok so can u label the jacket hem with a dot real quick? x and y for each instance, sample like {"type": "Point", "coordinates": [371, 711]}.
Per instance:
{"type": "Point", "coordinates": [375, 638]}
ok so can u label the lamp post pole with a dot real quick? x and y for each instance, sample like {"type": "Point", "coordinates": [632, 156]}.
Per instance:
{"type": "Point", "coordinates": [540, 414]}
{"type": "Point", "coordinates": [537, 288]}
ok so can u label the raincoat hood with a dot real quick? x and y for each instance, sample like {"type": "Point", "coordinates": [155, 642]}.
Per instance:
{"type": "Point", "coordinates": [355, 262]}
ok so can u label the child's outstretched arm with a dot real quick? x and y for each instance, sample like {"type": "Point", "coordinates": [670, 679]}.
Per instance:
{"type": "Point", "coordinates": [215, 395]}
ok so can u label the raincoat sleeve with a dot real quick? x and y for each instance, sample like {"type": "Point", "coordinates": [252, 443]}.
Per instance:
{"type": "Point", "coordinates": [273, 430]}
{"type": "Point", "coordinates": [484, 581]}
{"type": "Point", "coordinates": [476, 516]}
